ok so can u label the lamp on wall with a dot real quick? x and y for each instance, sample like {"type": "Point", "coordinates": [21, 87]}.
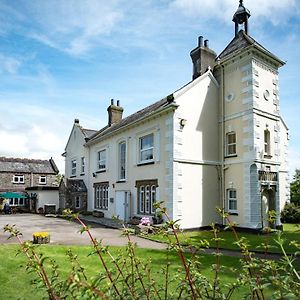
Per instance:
{"type": "Point", "coordinates": [94, 174]}
{"type": "Point", "coordinates": [182, 122]}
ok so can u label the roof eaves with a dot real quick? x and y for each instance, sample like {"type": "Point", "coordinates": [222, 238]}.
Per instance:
{"type": "Point", "coordinates": [170, 106]}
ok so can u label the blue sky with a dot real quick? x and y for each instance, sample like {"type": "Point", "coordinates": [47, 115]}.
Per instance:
{"type": "Point", "coordinates": [65, 59]}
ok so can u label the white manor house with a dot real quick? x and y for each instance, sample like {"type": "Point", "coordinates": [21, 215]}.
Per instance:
{"type": "Point", "coordinates": [218, 141]}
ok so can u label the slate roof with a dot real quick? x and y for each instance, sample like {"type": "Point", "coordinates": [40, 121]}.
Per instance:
{"type": "Point", "coordinates": [76, 185]}
{"type": "Point", "coordinates": [240, 42]}
{"type": "Point", "coordinates": [25, 165]}
{"type": "Point", "coordinates": [143, 113]}
{"type": "Point", "coordinates": [88, 132]}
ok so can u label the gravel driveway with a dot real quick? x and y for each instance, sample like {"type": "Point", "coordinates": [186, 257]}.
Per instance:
{"type": "Point", "coordinates": [66, 232]}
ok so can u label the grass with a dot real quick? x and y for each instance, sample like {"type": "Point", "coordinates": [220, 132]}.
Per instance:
{"type": "Point", "coordinates": [291, 232]}
{"type": "Point", "coordinates": [15, 281]}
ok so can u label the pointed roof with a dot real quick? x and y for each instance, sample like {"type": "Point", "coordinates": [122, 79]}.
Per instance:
{"type": "Point", "coordinates": [25, 165]}
{"type": "Point", "coordinates": [241, 42]}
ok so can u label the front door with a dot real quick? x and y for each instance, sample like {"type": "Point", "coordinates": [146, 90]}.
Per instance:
{"type": "Point", "coordinates": [123, 205]}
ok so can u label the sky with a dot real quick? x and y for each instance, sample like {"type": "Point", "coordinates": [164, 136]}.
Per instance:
{"type": "Point", "coordinates": [65, 59]}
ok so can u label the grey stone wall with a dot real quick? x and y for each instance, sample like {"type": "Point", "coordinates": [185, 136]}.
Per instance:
{"type": "Point", "coordinates": [6, 181]}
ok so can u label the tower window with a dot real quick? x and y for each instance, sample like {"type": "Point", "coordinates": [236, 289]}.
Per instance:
{"type": "Point", "coordinates": [231, 143]}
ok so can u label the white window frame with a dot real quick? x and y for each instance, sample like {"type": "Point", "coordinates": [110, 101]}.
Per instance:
{"type": "Point", "coordinates": [73, 167]}
{"type": "Point", "coordinates": [82, 165]}
{"type": "Point", "coordinates": [19, 179]}
{"type": "Point", "coordinates": [267, 142]}
{"type": "Point", "coordinates": [145, 149]}
{"type": "Point", "coordinates": [101, 196]}
{"type": "Point", "coordinates": [43, 179]}
{"type": "Point", "coordinates": [231, 147]}
{"type": "Point", "coordinates": [147, 195]}
{"type": "Point", "coordinates": [232, 199]}
{"type": "Point", "coordinates": [101, 162]}
{"type": "Point", "coordinates": [122, 161]}
{"type": "Point", "coordinates": [77, 198]}
{"type": "Point", "coordinates": [16, 201]}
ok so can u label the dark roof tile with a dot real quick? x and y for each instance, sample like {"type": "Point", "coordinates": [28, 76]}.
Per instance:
{"type": "Point", "coordinates": [25, 165]}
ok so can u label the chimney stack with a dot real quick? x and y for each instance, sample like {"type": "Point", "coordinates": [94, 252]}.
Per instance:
{"type": "Point", "coordinates": [202, 58]}
{"type": "Point", "coordinates": [115, 112]}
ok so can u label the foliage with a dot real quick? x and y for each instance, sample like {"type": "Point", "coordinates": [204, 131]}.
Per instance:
{"type": "Point", "coordinates": [290, 213]}
{"type": "Point", "coordinates": [295, 188]}
{"type": "Point", "coordinates": [126, 276]}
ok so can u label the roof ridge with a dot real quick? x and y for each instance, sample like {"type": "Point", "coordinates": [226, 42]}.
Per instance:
{"type": "Point", "coordinates": [26, 160]}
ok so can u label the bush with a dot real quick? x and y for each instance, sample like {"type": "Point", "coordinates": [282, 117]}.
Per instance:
{"type": "Point", "coordinates": [290, 213]}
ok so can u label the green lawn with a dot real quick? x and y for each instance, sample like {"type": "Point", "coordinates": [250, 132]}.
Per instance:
{"type": "Point", "coordinates": [291, 232]}
{"type": "Point", "coordinates": [15, 282]}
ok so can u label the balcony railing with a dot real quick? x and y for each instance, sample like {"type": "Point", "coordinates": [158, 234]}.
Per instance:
{"type": "Point", "coordinates": [267, 176]}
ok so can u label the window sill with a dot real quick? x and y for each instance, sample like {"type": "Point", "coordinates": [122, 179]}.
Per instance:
{"type": "Point", "coordinates": [121, 181]}
{"type": "Point", "coordinates": [267, 156]}
{"type": "Point", "coordinates": [100, 171]}
{"type": "Point", "coordinates": [230, 156]}
{"type": "Point", "coordinates": [145, 163]}
{"type": "Point", "coordinates": [233, 213]}
{"type": "Point", "coordinates": [82, 174]}
{"type": "Point", "coordinates": [73, 176]}
{"type": "Point", "coordinates": [18, 182]}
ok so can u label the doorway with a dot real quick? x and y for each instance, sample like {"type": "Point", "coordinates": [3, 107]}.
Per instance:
{"type": "Point", "coordinates": [267, 204]}
{"type": "Point", "coordinates": [123, 205]}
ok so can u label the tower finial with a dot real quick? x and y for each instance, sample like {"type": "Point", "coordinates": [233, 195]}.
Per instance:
{"type": "Point", "coordinates": [240, 17]}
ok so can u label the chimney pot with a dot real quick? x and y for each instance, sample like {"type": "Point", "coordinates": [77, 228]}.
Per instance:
{"type": "Point", "coordinates": [118, 102]}
{"type": "Point", "coordinates": [76, 121]}
{"type": "Point", "coordinates": [200, 41]}
{"type": "Point", "coordinates": [112, 101]}
{"type": "Point", "coordinates": [206, 44]}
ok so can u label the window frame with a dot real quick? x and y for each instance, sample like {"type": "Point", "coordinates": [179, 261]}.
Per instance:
{"type": "Point", "coordinates": [101, 160]}
{"type": "Point", "coordinates": [229, 152]}
{"type": "Point", "coordinates": [73, 167]}
{"type": "Point", "coordinates": [82, 167]}
{"type": "Point", "coordinates": [267, 143]}
{"type": "Point", "coordinates": [147, 191]}
{"type": "Point", "coordinates": [122, 162]}
{"type": "Point", "coordinates": [145, 149]}
{"type": "Point", "coordinates": [101, 195]}
{"type": "Point", "coordinates": [41, 181]}
{"type": "Point", "coordinates": [77, 198]}
{"type": "Point", "coordinates": [232, 199]}
{"type": "Point", "coordinates": [20, 180]}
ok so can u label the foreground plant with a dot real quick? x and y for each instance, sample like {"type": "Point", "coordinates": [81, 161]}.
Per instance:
{"type": "Point", "coordinates": [126, 276]}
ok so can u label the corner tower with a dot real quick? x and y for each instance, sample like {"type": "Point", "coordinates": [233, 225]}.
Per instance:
{"type": "Point", "coordinates": [253, 135]}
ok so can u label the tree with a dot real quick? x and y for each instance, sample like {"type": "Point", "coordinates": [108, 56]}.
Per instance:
{"type": "Point", "coordinates": [295, 188]}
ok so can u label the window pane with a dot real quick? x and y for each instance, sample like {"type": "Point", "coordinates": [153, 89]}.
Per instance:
{"type": "Point", "coordinates": [147, 154]}
{"type": "Point", "coordinates": [147, 142]}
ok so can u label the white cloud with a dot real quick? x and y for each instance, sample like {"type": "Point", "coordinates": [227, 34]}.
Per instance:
{"type": "Point", "coordinates": [276, 11]}
{"type": "Point", "coordinates": [9, 64]}
{"type": "Point", "coordinates": [73, 26]}
{"type": "Point", "coordinates": [33, 132]}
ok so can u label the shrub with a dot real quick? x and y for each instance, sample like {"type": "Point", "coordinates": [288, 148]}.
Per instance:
{"type": "Point", "coordinates": [290, 213]}
{"type": "Point", "coordinates": [125, 276]}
